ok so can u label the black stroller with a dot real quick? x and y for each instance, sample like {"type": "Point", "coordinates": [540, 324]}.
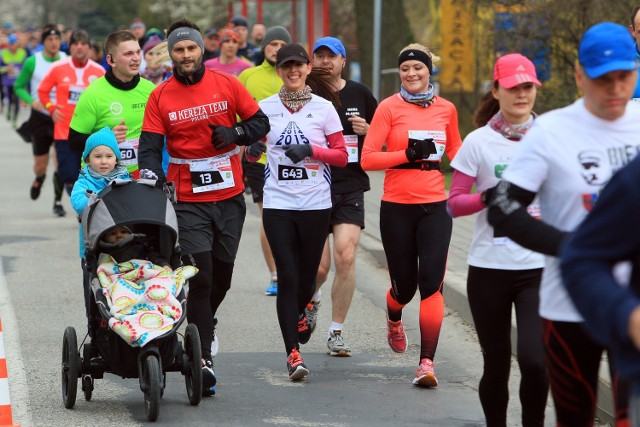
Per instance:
{"type": "Point", "coordinates": [147, 209]}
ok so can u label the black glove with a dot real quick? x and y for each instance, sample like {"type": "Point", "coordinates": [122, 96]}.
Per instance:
{"type": "Point", "coordinates": [298, 152]}
{"type": "Point", "coordinates": [222, 136]}
{"type": "Point", "coordinates": [420, 148]}
{"type": "Point", "coordinates": [488, 195]}
{"type": "Point", "coordinates": [256, 149]}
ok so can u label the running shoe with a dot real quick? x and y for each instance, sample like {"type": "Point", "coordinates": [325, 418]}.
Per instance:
{"type": "Point", "coordinates": [215, 343]}
{"type": "Point", "coordinates": [58, 210]}
{"type": "Point", "coordinates": [36, 187]}
{"type": "Point", "coordinates": [425, 376]}
{"type": "Point", "coordinates": [272, 289]}
{"type": "Point", "coordinates": [208, 377]}
{"type": "Point", "coordinates": [337, 346]}
{"type": "Point", "coordinates": [296, 367]}
{"type": "Point", "coordinates": [311, 311]}
{"type": "Point", "coordinates": [397, 336]}
{"type": "Point", "coordinates": [304, 332]}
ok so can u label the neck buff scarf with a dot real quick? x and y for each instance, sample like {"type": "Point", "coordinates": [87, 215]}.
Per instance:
{"type": "Point", "coordinates": [295, 100]}
{"type": "Point", "coordinates": [117, 83]}
{"type": "Point", "coordinates": [117, 171]}
{"type": "Point", "coordinates": [423, 99]}
{"type": "Point", "coordinates": [510, 131]}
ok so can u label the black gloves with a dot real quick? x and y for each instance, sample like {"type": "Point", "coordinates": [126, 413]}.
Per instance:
{"type": "Point", "coordinates": [488, 195]}
{"type": "Point", "coordinates": [298, 152]}
{"type": "Point", "coordinates": [420, 149]}
{"type": "Point", "coordinates": [256, 149]}
{"type": "Point", "coordinates": [223, 136]}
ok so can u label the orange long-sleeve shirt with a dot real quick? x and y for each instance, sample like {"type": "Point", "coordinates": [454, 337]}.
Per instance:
{"type": "Point", "coordinates": [394, 121]}
{"type": "Point", "coordinates": [69, 82]}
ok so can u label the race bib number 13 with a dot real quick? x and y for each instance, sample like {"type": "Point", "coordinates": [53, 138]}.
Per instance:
{"type": "Point", "coordinates": [211, 175]}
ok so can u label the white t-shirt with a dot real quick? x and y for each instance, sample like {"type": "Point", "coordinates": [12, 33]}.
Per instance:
{"type": "Point", "coordinates": [484, 155]}
{"type": "Point", "coordinates": [567, 157]}
{"type": "Point", "coordinates": [305, 185]}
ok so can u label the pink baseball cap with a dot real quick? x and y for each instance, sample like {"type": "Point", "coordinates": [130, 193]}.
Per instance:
{"type": "Point", "coordinates": [514, 69]}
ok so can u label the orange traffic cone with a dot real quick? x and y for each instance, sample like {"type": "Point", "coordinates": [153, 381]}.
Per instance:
{"type": "Point", "coordinates": [6, 418]}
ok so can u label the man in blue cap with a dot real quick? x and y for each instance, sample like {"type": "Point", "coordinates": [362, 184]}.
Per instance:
{"type": "Point", "coordinates": [550, 164]}
{"type": "Point", "coordinates": [348, 185]}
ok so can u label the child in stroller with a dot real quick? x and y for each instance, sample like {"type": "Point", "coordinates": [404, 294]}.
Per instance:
{"type": "Point", "coordinates": [139, 286]}
{"type": "Point", "coordinates": [152, 232]}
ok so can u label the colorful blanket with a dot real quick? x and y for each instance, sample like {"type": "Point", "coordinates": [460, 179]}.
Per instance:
{"type": "Point", "coordinates": [141, 297]}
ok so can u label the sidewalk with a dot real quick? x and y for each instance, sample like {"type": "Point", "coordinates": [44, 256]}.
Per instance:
{"type": "Point", "coordinates": [455, 286]}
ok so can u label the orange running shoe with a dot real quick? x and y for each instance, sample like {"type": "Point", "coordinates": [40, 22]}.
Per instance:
{"type": "Point", "coordinates": [304, 331]}
{"type": "Point", "coordinates": [296, 367]}
{"type": "Point", "coordinates": [396, 336]}
{"type": "Point", "coordinates": [425, 376]}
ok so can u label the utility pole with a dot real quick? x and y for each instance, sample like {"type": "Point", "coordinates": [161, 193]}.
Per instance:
{"type": "Point", "coordinates": [375, 66]}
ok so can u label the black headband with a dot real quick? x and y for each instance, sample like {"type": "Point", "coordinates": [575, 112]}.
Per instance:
{"type": "Point", "coordinates": [51, 32]}
{"type": "Point", "coordinates": [416, 55]}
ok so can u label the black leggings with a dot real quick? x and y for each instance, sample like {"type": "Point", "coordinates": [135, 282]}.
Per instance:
{"type": "Point", "coordinates": [207, 290]}
{"type": "Point", "coordinates": [13, 104]}
{"type": "Point", "coordinates": [416, 243]}
{"type": "Point", "coordinates": [492, 294]}
{"type": "Point", "coordinates": [573, 359]}
{"type": "Point", "coordinates": [296, 239]}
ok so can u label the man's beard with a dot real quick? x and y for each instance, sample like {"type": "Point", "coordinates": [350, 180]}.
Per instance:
{"type": "Point", "coordinates": [197, 63]}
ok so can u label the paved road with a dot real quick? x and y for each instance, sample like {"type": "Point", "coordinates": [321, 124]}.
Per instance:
{"type": "Point", "coordinates": [40, 294]}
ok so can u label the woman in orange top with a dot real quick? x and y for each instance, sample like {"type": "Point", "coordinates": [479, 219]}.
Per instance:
{"type": "Point", "coordinates": [418, 128]}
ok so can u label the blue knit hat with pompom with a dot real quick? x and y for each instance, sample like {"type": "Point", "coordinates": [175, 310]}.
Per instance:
{"type": "Point", "coordinates": [104, 136]}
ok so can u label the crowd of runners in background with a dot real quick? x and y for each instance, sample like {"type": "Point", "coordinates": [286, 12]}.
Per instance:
{"type": "Point", "coordinates": [297, 136]}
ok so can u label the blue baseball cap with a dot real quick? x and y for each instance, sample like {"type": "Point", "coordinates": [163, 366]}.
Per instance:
{"type": "Point", "coordinates": [333, 44]}
{"type": "Point", "coordinates": [12, 39]}
{"type": "Point", "coordinates": [607, 47]}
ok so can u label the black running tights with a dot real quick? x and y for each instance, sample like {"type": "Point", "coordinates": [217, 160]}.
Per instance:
{"type": "Point", "coordinates": [297, 240]}
{"type": "Point", "coordinates": [492, 295]}
{"type": "Point", "coordinates": [573, 360]}
{"type": "Point", "coordinates": [207, 289]}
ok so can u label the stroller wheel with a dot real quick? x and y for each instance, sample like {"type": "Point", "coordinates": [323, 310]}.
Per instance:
{"type": "Point", "coordinates": [193, 361]}
{"type": "Point", "coordinates": [70, 364]}
{"type": "Point", "coordinates": [151, 374]}
{"type": "Point", "coordinates": [87, 387]}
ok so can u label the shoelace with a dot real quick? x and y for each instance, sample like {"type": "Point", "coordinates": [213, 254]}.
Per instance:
{"type": "Point", "coordinates": [426, 367]}
{"type": "Point", "coordinates": [339, 340]}
{"type": "Point", "coordinates": [295, 358]}
{"type": "Point", "coordinates": [397, 333]}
